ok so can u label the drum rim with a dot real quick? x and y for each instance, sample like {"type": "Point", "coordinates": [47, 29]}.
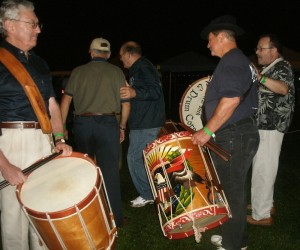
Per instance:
{"type": "Point", "coordinates": [178, 235]}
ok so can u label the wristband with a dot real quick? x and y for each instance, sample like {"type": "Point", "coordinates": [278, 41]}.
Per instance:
{"type": "Point", "coordinates": [208, 132]}
{"type": "Point", "coordinates": [58, 135]}
{"type": "Point", "coordinates": [263, 80]}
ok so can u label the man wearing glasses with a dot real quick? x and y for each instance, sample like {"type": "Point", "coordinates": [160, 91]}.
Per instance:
{"type": "Point", "coordinates": [22, 141]}
{"type": "Point", "coordinates": [275, 112]}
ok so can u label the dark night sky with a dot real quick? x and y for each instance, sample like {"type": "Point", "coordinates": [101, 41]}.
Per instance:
{"type": "Point", "coordinates": [163, 28]}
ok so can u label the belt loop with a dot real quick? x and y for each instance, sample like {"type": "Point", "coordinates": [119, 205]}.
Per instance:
{"type": "Point", "coordinates": [22, 125]}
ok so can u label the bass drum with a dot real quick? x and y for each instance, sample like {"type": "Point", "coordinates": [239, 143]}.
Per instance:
{"type": "Point", "coordinates": [190, 107]}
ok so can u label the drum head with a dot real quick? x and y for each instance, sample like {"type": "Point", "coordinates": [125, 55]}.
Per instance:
{"type": "Point", "coordinates": [59, 184]}
{"type": "Point", "coordinates": [190, 107]}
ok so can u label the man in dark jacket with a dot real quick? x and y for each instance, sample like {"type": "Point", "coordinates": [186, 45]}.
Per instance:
{"type": "Point", "coordinates": [146, 118]}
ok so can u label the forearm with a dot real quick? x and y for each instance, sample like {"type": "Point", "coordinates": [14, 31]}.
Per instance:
{"type": "Point", "coordinates": [56, 118]}
{"type": "Point", "coordinates": [64, 107]}
{"type": "Point", "coordinates": [124, 114]}
{"type": "Point", "coordinates": [276, 86]}
{"type": "Point", "coordinates": [4, 163]}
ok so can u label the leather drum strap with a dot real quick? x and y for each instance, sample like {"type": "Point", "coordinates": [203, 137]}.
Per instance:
{"type": "Point", "coordinates": [20, 73]}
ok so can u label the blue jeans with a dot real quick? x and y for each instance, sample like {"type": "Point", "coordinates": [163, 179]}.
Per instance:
{"type": "Point", "coordinates": [138, 140]}
{"type": "Point", "coordinates": [241, 140]}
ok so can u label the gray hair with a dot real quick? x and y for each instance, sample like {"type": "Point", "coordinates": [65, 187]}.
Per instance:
{"type": "Point", "coordinates": [10, 9]}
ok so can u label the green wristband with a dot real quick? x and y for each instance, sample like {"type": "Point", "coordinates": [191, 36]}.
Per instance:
{"type": "Point", "coordinates": [263, 80]}
{"type": "Point", "coordinates": [208, 132]}
{"type": "Point", "coordinates": [58, 135]}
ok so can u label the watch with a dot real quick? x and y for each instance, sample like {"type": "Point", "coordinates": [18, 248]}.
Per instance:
{"type": "Point", "coordinates": [62, 140]}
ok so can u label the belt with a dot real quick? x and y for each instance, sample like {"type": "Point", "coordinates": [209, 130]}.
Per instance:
{"type": "Point", "coordinates": [96, 114]}
{"type": "Point", "coordinates": [21, 125]}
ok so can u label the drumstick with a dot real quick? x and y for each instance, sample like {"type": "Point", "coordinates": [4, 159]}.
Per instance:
{"type": "Point", "coordinates": [32, 167]}
{"type": "Point", "coordinates": [212, 146]}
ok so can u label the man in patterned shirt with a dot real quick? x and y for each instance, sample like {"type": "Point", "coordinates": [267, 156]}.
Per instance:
{"type": "Point", "coordinates": [275, 112]}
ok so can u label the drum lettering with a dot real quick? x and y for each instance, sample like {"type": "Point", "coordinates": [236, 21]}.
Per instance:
{"type": "Point", "coordinates": [187, 104]}
{"type": "Point", "coordinates": [193, 94]}
{"type": "Point", "coordinates": [199, 111]}
{"type": "Point", "coordinates": [200, 86]}
{"type": "Point", "coordinates": [189, 121]}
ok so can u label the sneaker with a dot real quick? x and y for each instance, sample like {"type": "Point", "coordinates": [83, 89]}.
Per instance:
{"type": "Point", "coordinates": [140, 202]}
{"type": "Point", "coordinates": [217, 241]}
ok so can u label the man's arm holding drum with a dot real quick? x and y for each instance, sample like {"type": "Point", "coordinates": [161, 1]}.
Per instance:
{"type": "Point", "coordinates": [222, 113]}
{"type": "Point", "coordinates": [57, 126]}
{"type": "Point", "coordinates": [10, 172]}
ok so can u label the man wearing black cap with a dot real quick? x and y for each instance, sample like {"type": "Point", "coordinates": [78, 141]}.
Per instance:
{"type": "Point", "coordinates": [230, 104]}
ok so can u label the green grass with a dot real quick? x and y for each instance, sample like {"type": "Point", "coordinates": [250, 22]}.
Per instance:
{"type": "Point", "coordinates": [143, 230]}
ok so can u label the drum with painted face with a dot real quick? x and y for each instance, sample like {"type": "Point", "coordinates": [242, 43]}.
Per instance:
{"type": "Point", "coordinates": [66, 202]}
{"type": "Point", "coordinates": [190, 107]}
{"type": "Point", "coordinates": [185, 185]}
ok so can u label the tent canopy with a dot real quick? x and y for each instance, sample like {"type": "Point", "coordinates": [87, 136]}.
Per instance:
{"type": "Point", "coordinates": [187, 62]}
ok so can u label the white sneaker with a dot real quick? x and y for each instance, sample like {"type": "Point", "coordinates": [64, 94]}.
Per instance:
{"type": "Point", "coordinates": [140, 202]}
{"type": "Point", "coordinates": [217, 241]}
{"type": "Point", "coordinates": [136, 199]}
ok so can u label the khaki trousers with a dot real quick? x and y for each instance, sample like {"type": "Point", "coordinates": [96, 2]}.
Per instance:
{"type": "Point", "coordinates": [264, 172]}
{"type": "Point", "coordinates": [22, 147]}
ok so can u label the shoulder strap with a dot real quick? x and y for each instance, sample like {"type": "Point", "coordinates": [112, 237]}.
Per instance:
{"type": "Point", "coordinates": [20, 73]}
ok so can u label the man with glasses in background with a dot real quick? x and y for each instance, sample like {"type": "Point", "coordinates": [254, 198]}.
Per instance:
{"type": "Point", "coordinates": [22, 141]}
{"type": "Point", "coordinates": [275, 112]}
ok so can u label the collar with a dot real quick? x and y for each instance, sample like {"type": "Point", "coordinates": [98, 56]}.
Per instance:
{"type": "Point", "coordinates": [271, 65]}
{"type": "Point", "coordinates": [14, 50]}
{"type": "Point", "coordinates": [99, 59]}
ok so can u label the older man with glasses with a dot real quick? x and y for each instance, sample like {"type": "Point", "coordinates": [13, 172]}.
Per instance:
{"type": "Point", "coordinates": [22, 141]}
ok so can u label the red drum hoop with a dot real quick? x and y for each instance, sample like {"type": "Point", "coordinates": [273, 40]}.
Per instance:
{"type": "Point", "coordinates": [190, 107]}
{"type": "Point", "coordinates": [66, 202]}
{"type": "Point", "coordinates": [185, 186]}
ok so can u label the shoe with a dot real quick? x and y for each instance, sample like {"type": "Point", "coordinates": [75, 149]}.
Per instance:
{"type": "Point", "coordinates": [217, 241]}
{"type": "Point", "coordinates": [272, 211]}
{"type": "Point", "coordinates": [140, 202]}
{"type": "Point", "coordinates": [262, 222]}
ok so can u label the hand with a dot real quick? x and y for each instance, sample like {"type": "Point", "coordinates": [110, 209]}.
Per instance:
{"type": "Point", "coordinates": [67, 149]}
{"type": "Point", "coordinates": [13, 175]}
{"type": "Point", "coordinates": [122, 135]}
{"type": "Point", "coordinates": [127, 92]}
{"type": "Point", "coordinates": [200, 137]}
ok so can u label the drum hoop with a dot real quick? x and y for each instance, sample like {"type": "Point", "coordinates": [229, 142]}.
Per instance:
{"type": "Point", "coordinates": [183, 103]}
{"type": "Point", "coordinates": [70, 210]}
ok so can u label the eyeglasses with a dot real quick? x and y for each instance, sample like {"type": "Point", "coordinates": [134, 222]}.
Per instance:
{"type": "Point", "coordinates": [34, 25]}
{"type": "Point", "coordinates": [261, 49]}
